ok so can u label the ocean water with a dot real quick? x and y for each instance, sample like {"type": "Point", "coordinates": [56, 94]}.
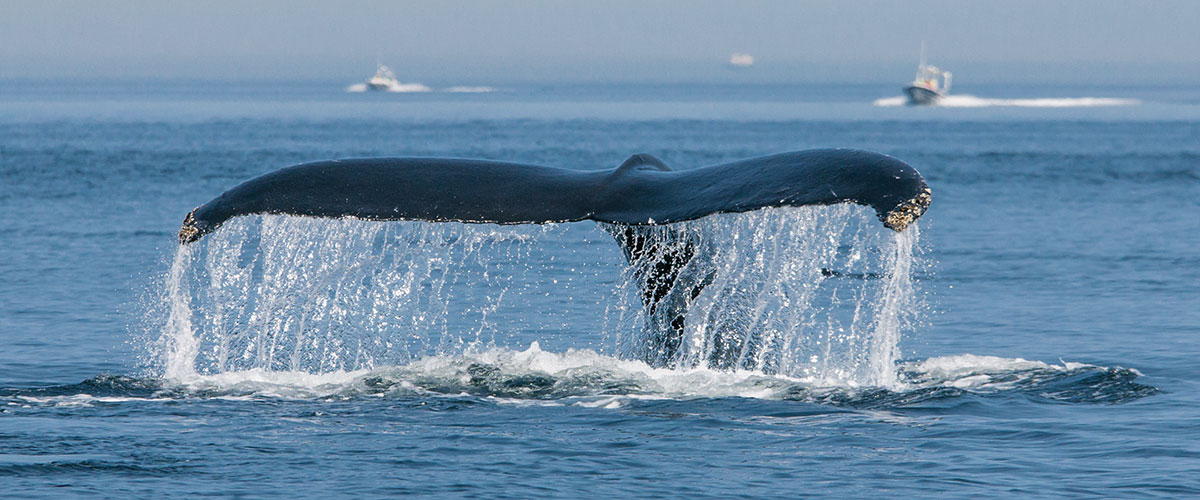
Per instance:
{"type": "Point", "coordinates": [1034, 336]}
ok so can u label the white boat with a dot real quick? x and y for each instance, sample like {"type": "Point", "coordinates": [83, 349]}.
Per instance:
{"type": "Point", "coordinates": [926, 89]}
{"type": "Point", "coordinates": [741, 60]}
{"type": "Point", "coordinates": [384, 79]}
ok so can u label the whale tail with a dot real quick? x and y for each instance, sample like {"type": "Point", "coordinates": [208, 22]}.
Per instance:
{"type": "Point", "coordinates": [637, 203]}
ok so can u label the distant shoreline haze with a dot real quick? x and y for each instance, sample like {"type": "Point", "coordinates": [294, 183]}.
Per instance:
{"type": "Point", "coordinates": [486, 43]}
{"type": "Point", "coordinates": [966, 73]}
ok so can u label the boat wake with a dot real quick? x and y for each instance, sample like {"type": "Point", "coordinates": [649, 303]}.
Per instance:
{"type": "Point", "coordinates": [469, 89]}
{"type": "Point", "coordinates": [970, 101]}
{"type": "Point", "coordinates": [402, 88]}
{"type": "Point", "coordinates": [392, 87]}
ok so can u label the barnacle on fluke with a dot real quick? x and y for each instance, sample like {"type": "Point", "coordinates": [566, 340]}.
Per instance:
{"type": "Point", "coordinates": [905, 213]}
{"type": "Point", "coordinates": [188, 232]}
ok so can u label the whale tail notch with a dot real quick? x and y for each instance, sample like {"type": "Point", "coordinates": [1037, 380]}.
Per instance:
{"type": "Point", "coordinates": [643, 161]}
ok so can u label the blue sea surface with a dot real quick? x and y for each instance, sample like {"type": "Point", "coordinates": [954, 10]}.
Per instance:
{"type": "Point", "coordinates": [1037, 340]}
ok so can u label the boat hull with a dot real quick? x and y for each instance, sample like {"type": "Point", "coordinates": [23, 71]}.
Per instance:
{"type": "Point", "coordinates": [921, 96]}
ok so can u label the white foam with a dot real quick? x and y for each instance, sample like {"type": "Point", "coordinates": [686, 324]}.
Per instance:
{"type": "Point", "coordinates": [890, 101]}
{"type": "Point", "coordinates": [969, 371]}
{"type": "Point", "coordinates": [403, 88]}
{"type": "Point", "coordinates": [607, 403]}
{"type": "Point", "coordinates": [394, 87]}
{"type": "Point", "coordinates": [965, 364]}
{"type": "Point", "coordinates": [279, 383]}
{"type": "Point", "coordinates": [84, 400]}
{"type": "Point", "coordinates": [444, 370]}
{"type": "Point", "coordinates": [577, 373]}
{"type": "Point", "coordinates": [970, 101]}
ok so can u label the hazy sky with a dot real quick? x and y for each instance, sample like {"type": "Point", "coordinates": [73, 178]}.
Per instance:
{"type": "Point", "coordinates": [487, 41]}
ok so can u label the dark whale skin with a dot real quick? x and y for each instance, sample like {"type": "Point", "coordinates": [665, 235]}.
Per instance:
{"type": "Point", "coordinates": [641, 191]}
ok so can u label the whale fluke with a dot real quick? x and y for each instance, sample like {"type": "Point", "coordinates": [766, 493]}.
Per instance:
{"type": "Point", "coordinates": [628, 201]}
{"type": "Point", "coordinates": [642, 191]}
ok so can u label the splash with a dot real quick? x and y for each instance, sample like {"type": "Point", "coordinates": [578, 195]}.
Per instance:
{"type": "Point", "coordinates": [297, 294]}
{"type": "Point", "coordinates": [178, 341]}
{"type": "Point", "coordinates": [970, 101]}
{"type": "Point", "coordinates": [815, 293]}
{"type": "Point", "coordinates": [584, 377]}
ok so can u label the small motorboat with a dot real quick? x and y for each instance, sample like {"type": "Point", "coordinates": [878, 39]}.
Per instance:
{"type": "Point", "coordinates": [926, 89]}
{"type": "Point", "coordinates": [384, 79]}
